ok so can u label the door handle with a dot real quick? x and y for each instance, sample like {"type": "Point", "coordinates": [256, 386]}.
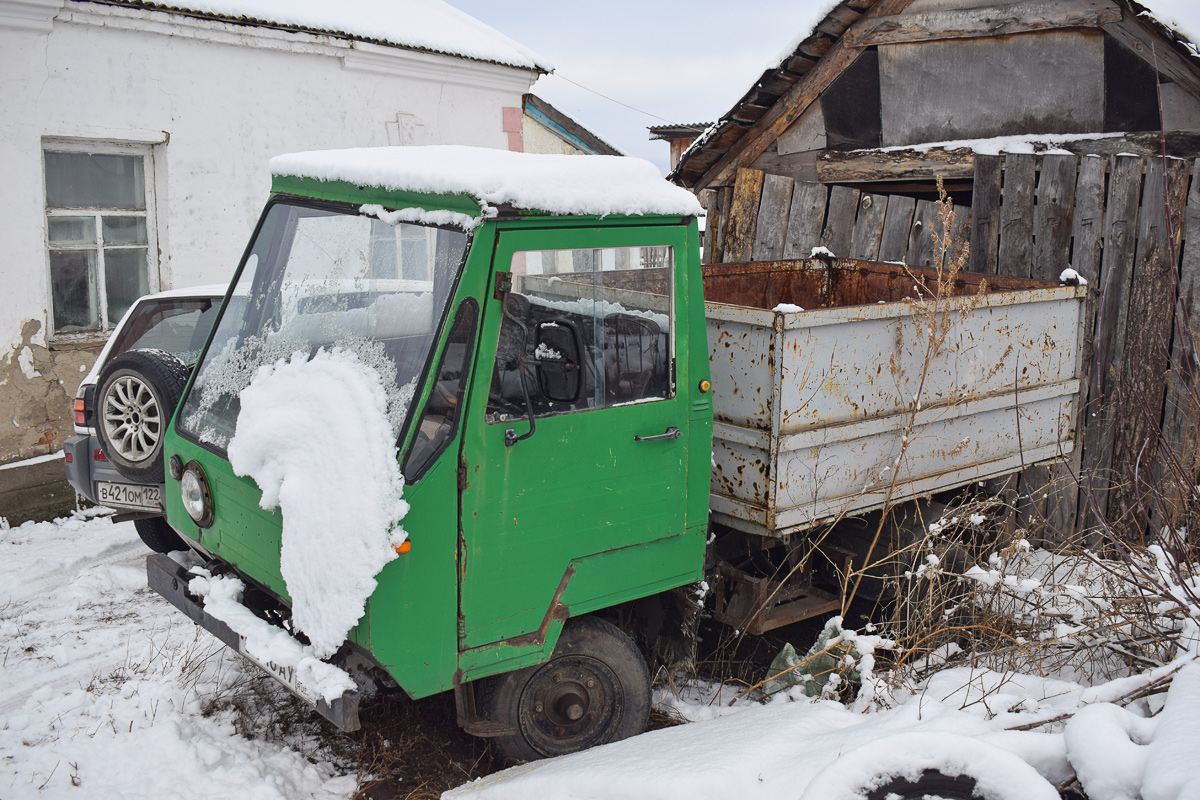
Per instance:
{"type": "Point", "coordinates": [670, 433]}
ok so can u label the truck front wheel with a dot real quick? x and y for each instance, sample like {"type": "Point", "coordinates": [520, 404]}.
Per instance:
{"type": "Point", "coordinates": [594, 689]}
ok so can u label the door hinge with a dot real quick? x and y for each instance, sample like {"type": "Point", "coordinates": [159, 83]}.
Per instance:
{"type": "Point", "coordinates": [503, 285]}
{"type": "Point", "coordinates": [462, 475]}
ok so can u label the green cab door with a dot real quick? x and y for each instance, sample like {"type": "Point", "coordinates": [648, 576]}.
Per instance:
{"type": "Point", "coordinates": [574, 509]}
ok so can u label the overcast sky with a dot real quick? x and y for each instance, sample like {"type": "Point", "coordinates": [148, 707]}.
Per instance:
{"type": "Point", "coordinates": [683, 62]}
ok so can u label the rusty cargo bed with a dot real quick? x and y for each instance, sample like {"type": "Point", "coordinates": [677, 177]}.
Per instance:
{"type": "Point", "coordinates": [830, 410]}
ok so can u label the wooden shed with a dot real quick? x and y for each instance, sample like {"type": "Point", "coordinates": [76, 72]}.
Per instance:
{"type": "Point", "coordinates": [1044, 119]}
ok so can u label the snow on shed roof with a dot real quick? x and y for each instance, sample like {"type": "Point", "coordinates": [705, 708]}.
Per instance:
{"type": "Point", "coordinates": [417, 24]}
{"type": "Point", "coordinates": [1182, 17]}
{"type": "Point", "coordinates": [557, 184]}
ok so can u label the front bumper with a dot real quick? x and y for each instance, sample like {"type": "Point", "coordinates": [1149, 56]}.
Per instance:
{"type": "Point", "coordinates": [170, 580]}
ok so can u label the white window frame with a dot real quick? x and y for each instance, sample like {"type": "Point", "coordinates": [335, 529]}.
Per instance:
{"type": "Point", "coordinates": [100, 147]}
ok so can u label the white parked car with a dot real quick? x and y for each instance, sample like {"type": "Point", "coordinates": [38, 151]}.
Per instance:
{"type": "Point", "coordinates": [121, 411]}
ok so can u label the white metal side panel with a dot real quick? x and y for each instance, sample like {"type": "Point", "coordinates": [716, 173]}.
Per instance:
{"type": "Point", "coordinates": [1000, 393]}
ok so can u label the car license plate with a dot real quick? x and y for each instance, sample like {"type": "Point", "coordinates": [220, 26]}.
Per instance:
{"type": "Point", "coordinates": [285, 675]}
{"type": "Point", "coordinates": [129, 495]}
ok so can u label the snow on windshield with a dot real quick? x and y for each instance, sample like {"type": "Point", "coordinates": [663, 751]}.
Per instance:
{"type": "Point", "coordinates": [314, 434]}
{"type": "Point", "coordinates": [327, 279]}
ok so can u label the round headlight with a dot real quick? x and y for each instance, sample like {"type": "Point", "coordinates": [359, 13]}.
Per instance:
{"type": "Point", "coordinates": [193, 489]}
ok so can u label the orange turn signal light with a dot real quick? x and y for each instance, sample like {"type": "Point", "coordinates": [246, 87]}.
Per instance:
{"type": "Point", "coordinates": [80, 418]}
{"type": "Point", "coordinates": [404, 546]}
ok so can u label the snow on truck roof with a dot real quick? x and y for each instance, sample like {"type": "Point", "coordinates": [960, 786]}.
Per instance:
{"type": "Point", "coordinates": [556, 184]}
{"type": "Point", "coordinates": [416, 24]}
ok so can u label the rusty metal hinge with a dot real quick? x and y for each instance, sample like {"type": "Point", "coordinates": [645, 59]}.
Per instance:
{"type": "Point", "coordinates": [462, 475]}
{"type": "Point", "coordinates": [503, 285]}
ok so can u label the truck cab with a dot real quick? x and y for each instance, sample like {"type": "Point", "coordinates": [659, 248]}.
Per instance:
{"type": "Point", "coordinates": [538, 323]}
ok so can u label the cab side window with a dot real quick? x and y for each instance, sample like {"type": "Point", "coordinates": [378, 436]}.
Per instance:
{"type": "Point", "coordinates": [584, 329]}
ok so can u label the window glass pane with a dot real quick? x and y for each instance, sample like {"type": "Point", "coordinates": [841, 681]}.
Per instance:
{"type": "Point", "coordinates": [584, 329]}
{"type": "Point", "coordinates": [72, 230]}
{"type": "Point", "coordinates": [124, 279]}
{"type": "Point", "coordinates": [86, 180]}
{"type": "Point", "coordinates": [317, 285]}
{"type": "Point", "coordinates": [177, 326]}
{"type": "Point", "coordinates": [440, 417]}
{"type": "Point", "coordinates": [124, 230]}
{"type": "Point", "coordinates": [73, 287]}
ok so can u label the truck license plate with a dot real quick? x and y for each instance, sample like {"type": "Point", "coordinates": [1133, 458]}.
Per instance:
{"type": "Point", "coordinates": [285, 675]}
{"type": "Point", "coordinates": [129, 495]}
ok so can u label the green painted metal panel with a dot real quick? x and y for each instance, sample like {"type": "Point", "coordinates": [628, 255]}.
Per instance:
{"type": "Point", "coordinates": [580, 485]}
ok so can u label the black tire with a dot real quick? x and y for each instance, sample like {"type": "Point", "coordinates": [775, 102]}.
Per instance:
{"type": "Point", "coordinates": [158, 535]}
{"type": "Point", "coordinates": [135, 398]}
{"type": "Point", "coordinates": [594, 689]}
{"type": "Point", "coordinates": [931, 784]}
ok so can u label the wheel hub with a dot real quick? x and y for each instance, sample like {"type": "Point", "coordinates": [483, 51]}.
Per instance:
{"type": "Point", "coordinates": [131, 419]}
{"type": "Point", "coordinates": [572, 703]}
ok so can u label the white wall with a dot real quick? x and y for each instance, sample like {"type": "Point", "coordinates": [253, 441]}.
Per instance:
{"type": "Point", "coordinates": [216, 101]}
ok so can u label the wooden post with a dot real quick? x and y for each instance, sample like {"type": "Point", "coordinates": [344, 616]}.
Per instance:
{"type": "Point", "coordinates": [743, 216]}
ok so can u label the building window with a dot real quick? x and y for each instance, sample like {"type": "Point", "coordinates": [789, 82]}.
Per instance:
{"type": "Point", "coordinates": [99, 232]}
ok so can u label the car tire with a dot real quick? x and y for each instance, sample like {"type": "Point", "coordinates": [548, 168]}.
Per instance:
{"type": "Point", "coordinates": [594, 689]}
{"type": "Point", "coordinates": [135, 397]}
{"type": "Point", "coordinates": [930, 784]}
{"type": "Point", "coordinates": [158, 535]}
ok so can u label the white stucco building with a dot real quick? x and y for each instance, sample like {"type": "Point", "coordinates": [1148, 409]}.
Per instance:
{"type": "Point", "coordinates": [135, 140]}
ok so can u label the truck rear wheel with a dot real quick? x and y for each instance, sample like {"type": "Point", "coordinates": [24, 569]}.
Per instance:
{"type": "Point", "coordinates": [156, 534]}
{"type": "Point", "coordinates": [135, 398]}
{"type": "Point", "coordinates": [594, 689]}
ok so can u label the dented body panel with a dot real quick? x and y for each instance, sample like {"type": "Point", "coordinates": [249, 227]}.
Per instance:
{"type": "Point", "coordinates": [846, 406]}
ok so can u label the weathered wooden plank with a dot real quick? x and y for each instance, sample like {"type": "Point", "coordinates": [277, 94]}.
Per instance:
{"type": "Point", "coordinates": [1052, 216]}
{"type": "Point", "coordinates": [985, 215]}
{"type": "Point", "coordinates": [1120, 241]}
{"type": "Point", "coordinates": [742, 219]}
{"type": "Point", "coordinates": [1016, 219]}
{"type": "Point", "coordinates": [868, 227]}
{"type": "Point", "coordinates": [999, 86]}
{"type": "Point", "coordinates": [1181, 416]}
{"type": "Point", "coordinates": [724, 197]}
{"type": "Point", "coordinates": [1087, 227]}
{"type": "Point", "coordinates": [712, 221]}
{"type": "Point", "coordinates": [807, 219]}
{"type": "Point", "coordinates": [791, 105]}
{"type": "Point", "coordinates": [839, 222]}
{"type": "Point", "coordinates": [1141, 39]}
{"type": "Point", "coordinates": [773, 213]}
{"type": "Point", "coordinates": [893, 246]}
{"type": "Point", "coordinates": [893, 165]}
{"type": "Point", "coordinates": [1142, 380]}
{"type": "Point", "coordinates": [975, 22]}
{"type": "Point", "coordinates": [1047, 486]}
{"type": "Point", "coordinates": [921, 238]}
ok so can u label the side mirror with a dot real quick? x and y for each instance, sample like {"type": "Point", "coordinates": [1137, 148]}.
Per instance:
{"type": "Point", "coordinates": [557, 353]}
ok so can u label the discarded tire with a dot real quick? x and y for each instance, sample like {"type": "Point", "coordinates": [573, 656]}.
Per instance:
{"type": "Point", "coordinates": [135, 398]}
{"type": "Point", "coordinates": [594, 689]}
{"type": "Point", "coordinates": [931, 784]}
{"type": "Point", "coordinates": [158, 535]}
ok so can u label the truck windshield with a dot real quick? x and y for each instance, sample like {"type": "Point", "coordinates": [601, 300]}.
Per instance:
{"type": "Point", "coordinates": [322, 278]}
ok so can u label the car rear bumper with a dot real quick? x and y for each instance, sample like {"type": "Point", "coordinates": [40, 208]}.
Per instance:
{"type": "Point", "coordinates": [170, 579]}
{"type": "Point", "coordinates": [78, 457]}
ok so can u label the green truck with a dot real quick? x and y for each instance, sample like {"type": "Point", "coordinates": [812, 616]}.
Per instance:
{"type": "Point", "coordinates": [543, 321]}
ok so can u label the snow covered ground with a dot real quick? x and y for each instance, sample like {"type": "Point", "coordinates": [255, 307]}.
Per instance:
{"type": "Point", "coordinates": [106, 691]}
